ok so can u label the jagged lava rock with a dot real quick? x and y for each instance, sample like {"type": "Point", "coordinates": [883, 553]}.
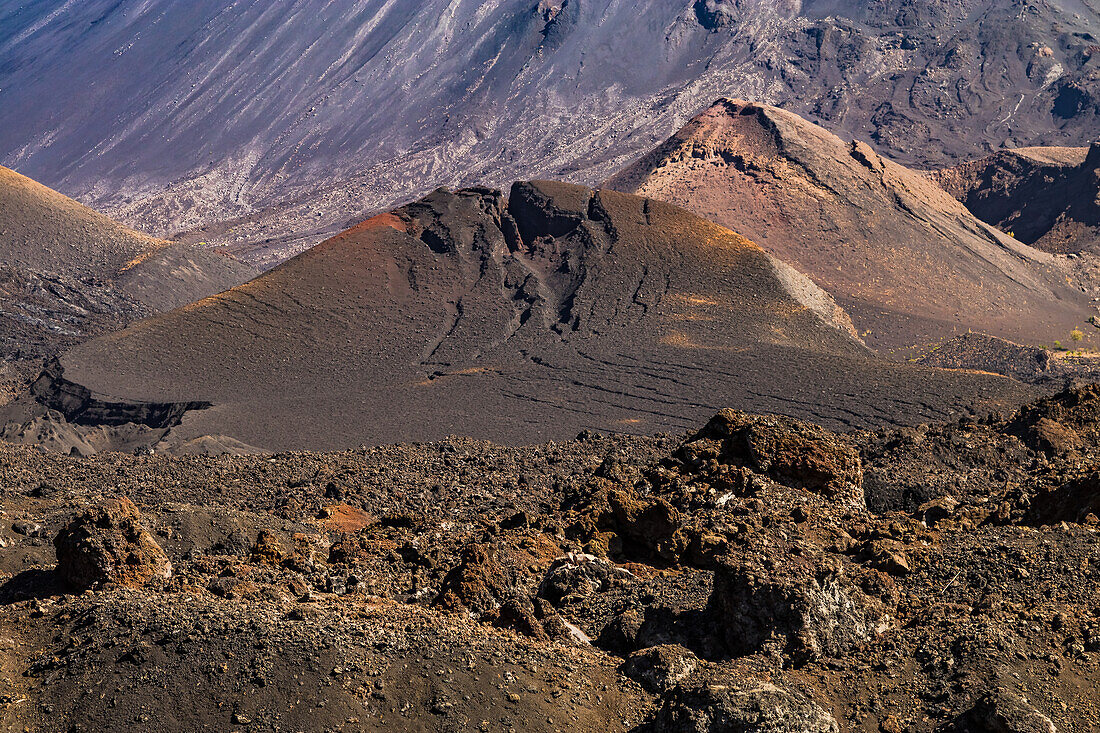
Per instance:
{"type": "Point", "coordinates": [1047, 197]}
{"type": "Point", "coordinates": [736, 706]}
{"type": "Point", "coordinates": [790, 451]}
{"type": "Point", "coordinates": [806, 606]}
{"type": "Point", "coordinates": [107, 544]}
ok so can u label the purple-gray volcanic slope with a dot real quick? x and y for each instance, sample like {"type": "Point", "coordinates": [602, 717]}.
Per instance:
{"type": "Point", "coordinates": [170, 115]}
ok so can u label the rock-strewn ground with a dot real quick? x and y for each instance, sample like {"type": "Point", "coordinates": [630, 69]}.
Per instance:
{"type": "Point", "coordinates": [761, 574]}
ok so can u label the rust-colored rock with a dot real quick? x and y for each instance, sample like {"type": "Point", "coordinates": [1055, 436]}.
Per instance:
{"type": "Point", "coordinates": [107, 544]}
{"type": "Point", "coordinates": [790, 451]}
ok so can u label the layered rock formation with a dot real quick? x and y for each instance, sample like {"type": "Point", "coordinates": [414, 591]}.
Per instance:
{"type": "Point", "coordinates": [909, 263]}
{"type": "Point", "coordinates": [1046, 197]}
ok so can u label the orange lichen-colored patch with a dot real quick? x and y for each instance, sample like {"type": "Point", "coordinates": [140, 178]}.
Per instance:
{"type": "Point", "coordinates": [156, 244]}
{"type": "Point", "coordinates": [692, 299]}
{"type": "Point", "coordinates": [344, 518]}
{"type": "Point", "coordinates": [679, 339]}
{"type": "Point", "coordinates": [691, 317]}
{"type": "Point", "coordinates": [381, 220]}
{"type": "Point", "coordinates": [630, 421]}
{"type": "Point", "coordinates": [457, 373]}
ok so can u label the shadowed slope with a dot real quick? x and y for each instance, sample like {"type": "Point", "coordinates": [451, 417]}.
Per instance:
{"type": "Point", "coordinates": [69, 273]}
{"type": "Point", "coordinates": [904, 258]}
{"type": "Point", "coordinates": [1047, 197]}
{"type": "Point", "coordinates": [561, 310]}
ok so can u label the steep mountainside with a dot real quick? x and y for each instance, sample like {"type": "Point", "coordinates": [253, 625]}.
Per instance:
{"type": "Point", "coordinates": [68, 273]}
{"type": "Point", "coordinates": [907, 261]}
{"type": "Point", "coordinates": [172, 115]}
{"type": "Point", "coordinates": [1047, 197]}
{"type": "Point", "coordinates": [560, 310]}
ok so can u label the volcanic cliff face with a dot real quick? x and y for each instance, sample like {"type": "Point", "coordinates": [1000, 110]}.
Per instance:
{"type": "Point", "coordinates": [1047, 197]}
{"type": "Point", "coordinates": [901, 256]}
{"type": "Point", "coordinates": [562, 309]}
{"type": "Point", "coordinates": [343, 107]}
{"type": "Point", "coordinates": [69, 273]}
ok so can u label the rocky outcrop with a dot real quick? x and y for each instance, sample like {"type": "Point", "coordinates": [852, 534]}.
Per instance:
{"type": "Point", "coordinates": [789, 451]}
{"type": "Point", "coordinates": [825, 205]}
{"type": "Point", "coordinates": [107, 544]}
{"type": "Point", "coordinates": [1046, 197]}
{"type": "Point", "coordinates": [735, 706]}
{"type": "Point", "coordinates": [802, 607]}
{"type": "Point", "coordinates": [77, 404]}
{"type": "Point", "coordinates": [1030, 364]}
{"type": "Point", "coordinates": [1061, 423]}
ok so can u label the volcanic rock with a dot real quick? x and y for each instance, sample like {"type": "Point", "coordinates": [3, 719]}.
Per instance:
{"type": "Point", "coordinates": [736, 706]}
{"type": "Point", "coordinates": [1030, 364]}
{"type": "Point", "coordinates": [107, 544]}
{"type": "Point", "coordinates": [908, 262]}
{"type": "Point", "coordinates": [806, 608]}
{"type": "Point", "coordinates": [1005, 712]}
{"type": "Point", "coordinates": [578, 575]}
{"type": "Point", "coordinates": [317, 639]}
{"type": "Point", "coordinates": [1061, 423]}
{"type": "Point", "coordinates": [1046, 197]}
{"type": "Point", "coordinates": [660, 668]}
{"type": "Point", "coordinates": [790, 451]}
{"type": "Point", "coordinates": [559, 310]}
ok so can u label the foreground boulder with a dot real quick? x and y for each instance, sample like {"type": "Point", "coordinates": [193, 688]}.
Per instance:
{"type": "Point", "coordinates": [107, 544]}
{"type": "Point", "coordinates": [740, 707]}
{"type": "Point", "coordinates": [792, 452]}
{"type": "Point", "coordinates": [804, 608]}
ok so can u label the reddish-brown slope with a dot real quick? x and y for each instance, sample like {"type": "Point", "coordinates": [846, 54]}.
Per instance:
{"type": "Point", "coordinates": [903, 257]}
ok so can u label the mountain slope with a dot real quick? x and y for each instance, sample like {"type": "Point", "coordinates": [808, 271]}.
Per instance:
{"type": "Point", "coordinates": [906, 260]}
{"type": "Point", "coordinates": [69, 273]}
{"type": "Point", "coordinates": [173, 115]}
{"type": "Point", "coordinates": [1047, 197]}
{"type": "Point", "coordinates": [560, 310]}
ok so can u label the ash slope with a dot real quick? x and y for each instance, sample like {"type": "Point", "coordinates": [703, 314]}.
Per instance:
{"type": "Point", "coordinates": [348, 107]}
{"type": "Point", "coordinates": [69, 273]}
{"type": "Point", "coordinates": [905, 259]}
{"type": "Point", "coordinates": [1047, 197]}
{"type": "Point", "coordinates": [564, 309]}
